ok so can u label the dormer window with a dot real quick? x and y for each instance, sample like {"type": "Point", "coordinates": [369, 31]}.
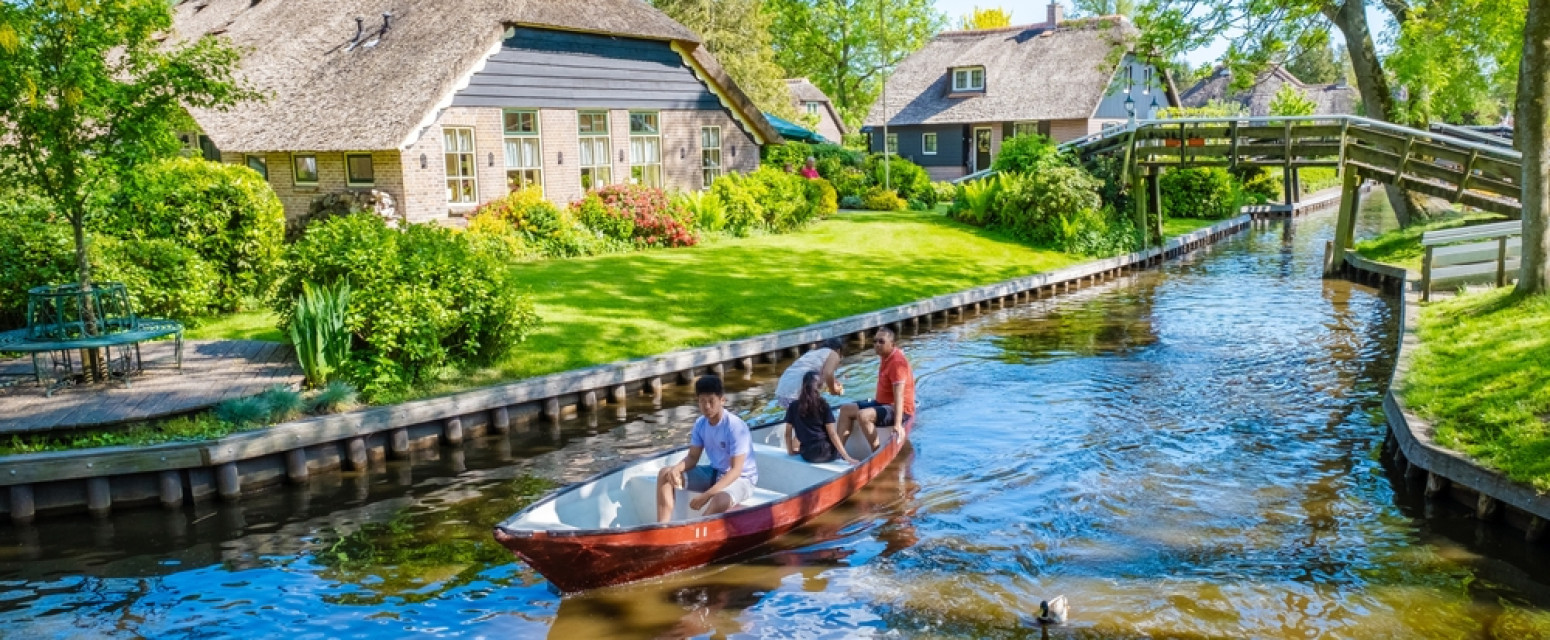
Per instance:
{"type": "Point", "coordinates": [968, 79]}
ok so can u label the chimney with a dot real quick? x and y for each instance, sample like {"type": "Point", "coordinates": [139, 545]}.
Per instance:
{"type": "Point", "coordinates": [1055, 14]}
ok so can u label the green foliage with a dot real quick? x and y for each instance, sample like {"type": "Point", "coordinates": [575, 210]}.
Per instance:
{"type": "Point", "coordinates": [1030, 206]}
{"type": "Point", "coordinates": [1211, 109]}
{"type": "Point", "coordinates": [423, 299]}
{"type": "Point", "coordinates": [850, 182]}
{"type": "Point", "coordinates": [991, 18]}
{"type": "Point", "coordinates": [92, 89]}
{"type": "Point", "coordinates": [283, 403]}
{"type": "Point", "coordinates": [1027, 154]}
{"type": "Point", "coordinates": [705, 208]}
{"type": "Point", "coordinates": [975, 202]}
{"type": "Point", "coordinates": [824, 198]}
{"type": "Point", "coordinates": [319, 331]}
{"type": "Point", "coordinates": [791, 154]}
{"type": "Point", "coordinates": [227, 213]}
{"type": "Point", "coordinates": [910, 180]}
{"type": "Point", "coordinates": [1315, 179]}
{"type": "Point", "coordinates": [32, 253]}
{"type": "Point", "coordinates": [1200, 192]}
{"type": "Point", "coordinates": [1258, 185]}
{"type": "Point", "coordinates": [247, 412]}
{"type": "Point", "coordinates": [1316, 63]}
{"type": "Point", "coordinates": [655, 220]}
{"type": "Point", "coordinates": [738, 33]}
{"type": "Point", "coordinates": [880, 199]}
{"type": "Point", "coordinates": [607, 221]}
{"type": "Point", "coordinates": [842, 46]}
{"type": "Point", "coordinates": [769, 199]}
{"type": "Point", "coordinates": [945, 191]}
{"type": "Point", "coordinates": [1289, 101]}
{"type": "Point", "coordinates": [335, 397]}
{"type": "Point", "coordinates": [852, 203]}
{"type": "Point", "coordinates": [1103, 7]}
{"type": "Point", "coordinates": [1460, 61]}
{"type": "Point", "coordinates": [164, 279]}
{"type": "Point", "coordinates": [553, 232]}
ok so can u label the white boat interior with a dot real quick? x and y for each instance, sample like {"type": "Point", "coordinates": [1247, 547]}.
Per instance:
{"type": "Point", "coordinates": [627, 497]}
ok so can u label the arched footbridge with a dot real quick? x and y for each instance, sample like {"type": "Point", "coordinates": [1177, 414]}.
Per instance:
{"type": "Point", "coordinates": [1474, 173]}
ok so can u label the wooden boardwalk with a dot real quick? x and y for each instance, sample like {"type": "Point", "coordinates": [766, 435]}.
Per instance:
{"type": "Point", "coordinates": [213, 371]}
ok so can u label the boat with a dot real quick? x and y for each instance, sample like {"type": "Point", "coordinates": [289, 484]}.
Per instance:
{"type": "Point", "coordinates": [603, 531]}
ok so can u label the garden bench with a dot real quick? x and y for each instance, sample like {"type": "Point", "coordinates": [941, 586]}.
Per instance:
{"type": "Point", "coordinates": [54, 327]}
{"type": "Point", "coordinates": [1473, 253]}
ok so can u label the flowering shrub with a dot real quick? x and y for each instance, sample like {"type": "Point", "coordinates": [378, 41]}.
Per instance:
{"type": "Point", "coordinates": [553, 231]}
{"type": "Point", "coordinates": [655, 220]}
{"type": "Point", "coordinates": [880, 199]}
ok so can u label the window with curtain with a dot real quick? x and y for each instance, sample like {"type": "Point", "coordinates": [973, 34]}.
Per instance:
{"type": "Point", "coordinates": [596, 168]}
{"type": "Point", "coordinates": [524, 153]}
{"type": "Point", "coordinates": [645, 149]}
{"type": "Point", "coordinates": [710, 154]}
{"type": "Point", "coordinates": [458, 146]}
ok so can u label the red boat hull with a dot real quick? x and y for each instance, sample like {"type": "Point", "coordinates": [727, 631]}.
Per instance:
{"type": "Point", "coordinates": [578, 560]}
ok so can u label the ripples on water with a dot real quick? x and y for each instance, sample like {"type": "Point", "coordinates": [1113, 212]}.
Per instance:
{"type": "Point", "coordinates": [1184, 453]}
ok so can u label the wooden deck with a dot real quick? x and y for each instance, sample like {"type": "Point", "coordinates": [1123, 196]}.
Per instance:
{"type": "Point", "coordinates": [212, 371]}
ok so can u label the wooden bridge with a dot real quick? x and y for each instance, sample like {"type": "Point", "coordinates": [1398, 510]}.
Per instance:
{"type": "Point", "coordinates": [1472, 172]}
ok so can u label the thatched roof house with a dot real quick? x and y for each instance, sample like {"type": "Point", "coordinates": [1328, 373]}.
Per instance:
{"type": "Point", "coordinates": [1331, 99]}
{"type": "Point", "coordinates": [809, 99]}
{"type": "Point", "coordinates": [951, 103]}
{"type": "Point", "coordinates": [445, 104]}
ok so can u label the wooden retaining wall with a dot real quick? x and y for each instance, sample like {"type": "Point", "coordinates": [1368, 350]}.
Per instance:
{"type": "Point", "coordinates": [1410, 447]}
{"type": "Point", "coordinates": [102, 479]}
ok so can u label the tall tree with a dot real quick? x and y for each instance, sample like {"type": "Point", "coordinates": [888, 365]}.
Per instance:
{"type": "Point", "coordinates": [992, 18]}
{"type": "Point", "coordinates": [1104, 7]}
{"type": "Point", "coordinates": [1316, 64]}
{"type": "Point", "coordinates": [1459, 60]}
{"type": "Point", "coordinates": [737, 32]}
{"type": "Point", "coordinates": [89, 90]}
{"type": "Point", "coordinates": [847, 47]}
{"type": "Point", "coordinates": [1288, 101]}
{"type": "Point", "coordinates": [1532, 120]}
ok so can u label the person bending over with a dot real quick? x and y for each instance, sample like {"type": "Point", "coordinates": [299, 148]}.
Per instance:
{"type": "Point", "coordinates": [895, 400]}
{"type": "Point", "coordinates": [810, 429]}
{"type": "Point", "coordinates": [730, 477]}
{"type": "Point", "coordinates": [824, 360]}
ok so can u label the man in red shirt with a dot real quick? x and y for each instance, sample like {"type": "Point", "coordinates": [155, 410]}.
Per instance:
{"type": "Point", "coordinates": [894, 403]}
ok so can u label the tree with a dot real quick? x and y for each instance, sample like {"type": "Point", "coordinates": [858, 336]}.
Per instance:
{"type": "Point", "coordinates": [1288, 101]}
{"type": "Point", "coordinates": [737, 32]}
{"type": "Point", "coordinates": [1533, 134]}
{"type": "Point", "coordinates": [88, 91]}
{"type": "Point", "coordinates": [1104, 7]}
{"type": "Point", "coordinates": [1316, 64]}
{"type": "Point", "coordinates": [1459, 60]}
{"type": "Point", "coordinates": [844, 47]}
{"type": "Point", "coordinates": [992, 18]}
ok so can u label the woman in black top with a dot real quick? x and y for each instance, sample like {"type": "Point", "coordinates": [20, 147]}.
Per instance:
{"type": "Point", "coordinates": [810, 425]}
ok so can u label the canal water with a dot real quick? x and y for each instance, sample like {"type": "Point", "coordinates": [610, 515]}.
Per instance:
{"type": "Point", "coordinates": [1189, 452]}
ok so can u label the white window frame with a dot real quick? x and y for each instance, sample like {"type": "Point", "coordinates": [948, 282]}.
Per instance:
{"type": "Point", "coordinates": [710, 156]}
{"type": "Point", "coordinates": [528, 175]}
{"type": "Point", "coordinates": [812, 108]}
{"type": "Point", "coordinates": [296, 170]}
{"type": "Point", "coordinates": [891, 143]}
{"type": "Point", "coordinates": [964, 79]}
{"type": "Point", "coordinates": [600, 172]}
{"type": "Point", "coordinates": [1026, 127]}
{"type": "Point", "coordinates": [642, 143]}
{"type": "Point", "coordinates": [262, 162]}
{"type": "Point", "coordinates": [451, 158]}
{"type": "Point", "coordinates": [928, 144]}
{"type": "Point", "coordinates": [349, 177]}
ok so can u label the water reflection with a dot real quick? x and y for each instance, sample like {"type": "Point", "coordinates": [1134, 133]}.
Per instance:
{"type": "Point", "coordinates": [1185, 453]}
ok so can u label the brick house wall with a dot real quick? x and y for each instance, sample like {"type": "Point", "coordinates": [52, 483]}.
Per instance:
{"type": "Point", "coordinates": [682, 165]}
{"type": "Point", "coordinates": [297, 198]}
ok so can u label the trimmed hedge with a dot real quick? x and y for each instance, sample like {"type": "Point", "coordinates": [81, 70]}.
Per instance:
{"type": "Point", "coordinates": [1200, 192]}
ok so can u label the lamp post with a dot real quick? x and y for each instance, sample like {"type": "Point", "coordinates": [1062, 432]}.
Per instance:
{"type": "Point", "coordinates": [887, 160]}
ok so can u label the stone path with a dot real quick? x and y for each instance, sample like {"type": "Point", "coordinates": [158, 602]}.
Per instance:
{"type": "Point", "coordinates": [213, 370]}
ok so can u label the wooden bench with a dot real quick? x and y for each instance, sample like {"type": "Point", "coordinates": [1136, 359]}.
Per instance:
{"type": "Point", "coordinates": [1471, 254]}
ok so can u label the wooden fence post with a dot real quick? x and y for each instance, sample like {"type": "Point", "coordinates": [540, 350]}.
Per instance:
{"type": "Point", "coordinates": [1426, 276]}
{"type": "Point", "coordinates": [1350, 198]}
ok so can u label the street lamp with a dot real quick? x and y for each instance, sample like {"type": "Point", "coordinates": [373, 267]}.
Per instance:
{"type": "Point", "coordinates": [1130, 107]}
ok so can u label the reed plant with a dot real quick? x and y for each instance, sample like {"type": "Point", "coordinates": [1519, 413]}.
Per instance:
{"type": "Point", "coordinates": [318, 330]}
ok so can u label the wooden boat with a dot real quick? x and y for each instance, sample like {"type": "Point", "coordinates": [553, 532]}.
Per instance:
{"type": "Point", "coordinates": [603, 531]}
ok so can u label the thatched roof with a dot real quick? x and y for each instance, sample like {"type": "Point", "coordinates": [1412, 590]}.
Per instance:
{"type": "Point", "coordinates": [803, 90]}
{"type": "Point", "coordinates": [1332, 99]}
{"type": "Point", "coordinates": [325, 95]}
{"type": "Point", "coordinates": [1032, 72]}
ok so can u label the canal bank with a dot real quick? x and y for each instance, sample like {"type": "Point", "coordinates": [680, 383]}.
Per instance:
{"type": "Point", "coordinates": [172, 475]}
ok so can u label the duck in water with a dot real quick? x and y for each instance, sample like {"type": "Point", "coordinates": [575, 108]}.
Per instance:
{"type": "Point", "coordinates": [1052, 611]}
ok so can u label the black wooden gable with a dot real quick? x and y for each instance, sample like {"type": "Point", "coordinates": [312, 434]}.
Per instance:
{"type": "Point", "coordinates": [541, 68]}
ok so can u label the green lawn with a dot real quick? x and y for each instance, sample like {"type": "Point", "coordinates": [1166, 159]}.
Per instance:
{"type": "Point", "coordinates": [246, 325]}
{"type": "Point", "coordinates": [1402, 247]}
{"type": "Point", "coordinates": [1479, 376]}
{"type": "Point", "coordinates": [1180, 226]}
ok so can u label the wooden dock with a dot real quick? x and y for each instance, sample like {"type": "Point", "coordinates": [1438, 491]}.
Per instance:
{"type": "Point", "coordinates": [212, 371]}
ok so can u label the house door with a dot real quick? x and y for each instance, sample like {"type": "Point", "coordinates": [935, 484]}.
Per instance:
{"type": "Point", "coordinates": [981, 148]}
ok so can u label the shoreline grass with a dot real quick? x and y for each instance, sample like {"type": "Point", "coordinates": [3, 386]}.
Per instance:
{"type": "Point", "coordinates": [1479, 376]}
{"type": "Point", "coordinates": [1402, 247]}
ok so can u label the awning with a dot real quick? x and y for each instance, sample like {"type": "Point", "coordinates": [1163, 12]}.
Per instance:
{"type": "Point", "coordinates": [792, 131]}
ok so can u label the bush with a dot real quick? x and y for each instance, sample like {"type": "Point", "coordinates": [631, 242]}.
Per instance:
{"type": "Point", "coordinates": [1258, 186]}
{"type": "Point", "coordinates": [704, 208]}
{"type": "Point", "coordinates": [945, 191]}
{"type": "Point", "coordinates": [833, 159]}
{"type": "Point", "coordinates": [422, 299]}
{"type": "Point", "coordinates": [908, 179]}
{"type": "Point", "coordinates": [1201, 192]}
{"type": "Point", "coordinates": [852, 202]}
{"type": "Point", "coordinates": [1028, 154]}
{"type": "Point", "coordinates": [335, 397]}
{"type": "Point", "coordinates": [164, 278]}
{"type": "Point", "coordinates": [778, 156]}
{"type": "Point", "coordinates": [880, 199]}
{"type": "Point", "coordinates": [850, 182]}
{"type": "Point", "coordinates": [656, 220]}
{"type": "Point", "coordinates": [226, 213]}
{"type": "Point", "coordinates": [553, 232]}
{"type": "Point", "coordinates": [32, 253]}
{"type": "Point", "coordinates": [822, 194]}
{"type": "Point", "coordinates": [742, 197]}
{"type": "Point", "coordinates": [1031, 206]}
{"type": "Point", "coordinates": [283, 403]}
{"type": "Point", "coordinates": [608, 221]}
{"type": "Point", "coordinates": [975, 201]}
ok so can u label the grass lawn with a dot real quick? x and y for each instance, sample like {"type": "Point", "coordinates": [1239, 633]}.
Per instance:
{"type": "Point", "coordinates": [1402, 247]}
{"type": "Point", "coordinates": [247, 325]}
{"type": "Point", "coordinates": [1479, 376]}
{"type": "Point", "coordinates": [1180, 226]}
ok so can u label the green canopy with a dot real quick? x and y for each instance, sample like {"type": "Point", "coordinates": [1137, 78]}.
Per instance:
{"type": "Point", "coordinates": [792, 131]}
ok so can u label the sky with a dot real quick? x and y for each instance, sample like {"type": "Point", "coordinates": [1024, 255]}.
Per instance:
{"type": "Point", "coordinates": [1032, 11]}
